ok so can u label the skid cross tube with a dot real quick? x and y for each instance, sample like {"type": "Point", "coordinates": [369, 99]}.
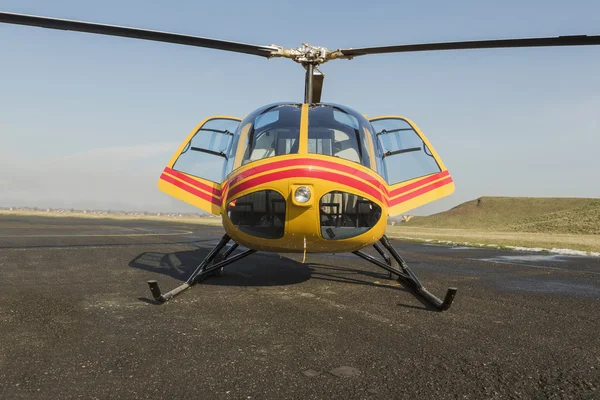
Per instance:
{"type": "Point", "coordinates": [380, 263]}
{"type": "Point", "coordinates": [209, 270]}
{"type": "Point", "coordinates": [387, 258]}
{"type": "Point", "coordinates": [202, 271]}
{"type": "Point", "coordinates": [209, 258]}
{"type": "Point", "coordinates": [230, 250]}
{"type": "Point", "coordinates": [406, 276]}
{"type": "Point", "coordinates": [382, 253]}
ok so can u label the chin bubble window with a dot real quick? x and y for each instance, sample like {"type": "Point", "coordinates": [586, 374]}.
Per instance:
{"type": "Point", "coordinates": [345, 215]}
{"type": "Point", "coordinates": [260, 214]}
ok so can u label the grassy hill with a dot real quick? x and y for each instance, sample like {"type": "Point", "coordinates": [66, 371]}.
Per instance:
{"type": "Point", "coordinates": [519, 214]}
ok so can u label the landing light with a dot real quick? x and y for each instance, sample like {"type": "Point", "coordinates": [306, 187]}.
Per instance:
{"type": "Point", "coordinates": [302, 194]}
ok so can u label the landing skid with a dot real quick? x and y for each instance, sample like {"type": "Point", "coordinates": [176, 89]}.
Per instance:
{"type": "Point", "coordinates": [214, 262]}
{"type": "Point", "coordinates": [204, 270]}
{"type": "Point", "coordinates": [405, 275]}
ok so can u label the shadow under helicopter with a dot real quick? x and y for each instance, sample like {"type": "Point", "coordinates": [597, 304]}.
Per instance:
{"type": "Point", "coordinates": [263, 269]}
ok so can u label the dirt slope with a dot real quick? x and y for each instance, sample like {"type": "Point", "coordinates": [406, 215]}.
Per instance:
{"type": "Point", "coordinates": [520, 214]}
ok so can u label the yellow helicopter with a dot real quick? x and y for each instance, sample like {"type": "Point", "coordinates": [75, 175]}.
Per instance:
{"type": "Point", "coordinates": [307, 177]}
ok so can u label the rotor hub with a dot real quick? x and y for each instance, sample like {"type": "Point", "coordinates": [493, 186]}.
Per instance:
{"type": "Point", "coordinates": [307, 54]}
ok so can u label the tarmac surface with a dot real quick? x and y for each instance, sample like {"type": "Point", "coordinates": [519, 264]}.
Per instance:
{"type": "Point", "coordinates": [77, 320]}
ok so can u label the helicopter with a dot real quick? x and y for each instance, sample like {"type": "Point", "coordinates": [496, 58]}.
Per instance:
{"type": "Point", "coordinates": [310, 177]}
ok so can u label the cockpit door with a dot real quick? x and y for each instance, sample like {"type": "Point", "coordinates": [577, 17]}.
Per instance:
{"type": "Point", "coordinates": [413, 170]}
{"type": "Point", "coordinates": [198, 168]}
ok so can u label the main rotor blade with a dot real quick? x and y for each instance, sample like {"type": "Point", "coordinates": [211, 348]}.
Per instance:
{"type": "Point", "coordinates": [577, 40]}
{"type": "Point", "coordinates": [112, 30]}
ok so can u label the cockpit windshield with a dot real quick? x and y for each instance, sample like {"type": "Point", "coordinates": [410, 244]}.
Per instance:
{"type": "Point", "coordinates": [333, 130]}
{"type": "Point", "coordinates": [272, 131]}
{"type": "Point", "coordinates": [340, 132]}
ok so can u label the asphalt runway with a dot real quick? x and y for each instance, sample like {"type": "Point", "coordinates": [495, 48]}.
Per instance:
{"type": "Point", "coordinates": [76, 320]}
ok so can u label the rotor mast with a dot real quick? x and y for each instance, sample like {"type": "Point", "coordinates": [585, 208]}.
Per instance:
{"type": "Point", "coordinates": [308, 83]}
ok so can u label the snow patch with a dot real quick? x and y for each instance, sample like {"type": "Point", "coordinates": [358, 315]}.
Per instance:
{"type": "Point", "coordinates": [575, 252]}
{"type": "Point", "coordinates": [564, 252]}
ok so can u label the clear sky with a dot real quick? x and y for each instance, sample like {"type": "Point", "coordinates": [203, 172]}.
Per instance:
{"type": "Point", "coordinates": [90, 121]}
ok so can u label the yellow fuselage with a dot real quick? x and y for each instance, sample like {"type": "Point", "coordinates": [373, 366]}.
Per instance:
{"type": "Point", "coordinates": [302, 228]}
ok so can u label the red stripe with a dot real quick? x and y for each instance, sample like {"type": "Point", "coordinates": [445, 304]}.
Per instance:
{"type": "Point", "coordinates": [190, 189]}
{"type": "Point", "coordinates": [224, 187]}
{"type": "Point", "coordinates": [419, 192]}
{"type": "Point", "coordinates": [310, 162]}
{"type": "Point", "coordinates": [200, 185]}
{"type": "Point", "coordinates": [308, 173]}
{"type": "Point", "coordinates": [418, 183]}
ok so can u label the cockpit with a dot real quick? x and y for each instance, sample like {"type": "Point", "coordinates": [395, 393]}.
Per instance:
{"type": "Point", "coordinates": [333, 130]}
{"type": "Point", "coordinates": [282, 129]}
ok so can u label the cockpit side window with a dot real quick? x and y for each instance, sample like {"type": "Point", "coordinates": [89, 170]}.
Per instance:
{"type": "Point", "coordinates": [206, 155]}
{"type": "Point", "coordinates": [405, 154]}
{"type": "Point", "coordinates": [334, 131]}
{"type": "Point", "coordinates": [275, 131]}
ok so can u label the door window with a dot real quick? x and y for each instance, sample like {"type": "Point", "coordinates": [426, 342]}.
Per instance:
{"type": "Point", "coordinates": [405, 154]}
{"type": "Point", "coordinates": [206, 154]}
